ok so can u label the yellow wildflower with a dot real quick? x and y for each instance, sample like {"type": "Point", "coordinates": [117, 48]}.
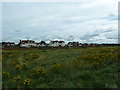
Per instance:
{"type": "Point", "coordinates": [17, 78]}
{"type": "Point", "coordinates": [57, 66]}
{"type": "Point", "coordinates": [18, 66]}
{"type": "Point", "coordinates": [41, 70]}
{"type": "Point", "coordinates": [27, 82]}
{"type": "Point", "coordinates": [5, 73]}
{"type": "Point", "coordinates": [24, 64]}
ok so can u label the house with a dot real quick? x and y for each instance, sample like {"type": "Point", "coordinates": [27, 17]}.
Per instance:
{"type": "Point", "coordinates": [27, 43]}
{"type": "Point", "coordinates": [57, 43]}
{"type": "Point", "coordinates": [80, 44]}
{"type": "Point", "coordinates": [93, 44]}
{"type": "Point", "coordinates": [73, 44]}
{"type": "Point", "coordinates": [41, 44]}
{"type": "Point", "coordinates": [85, 44]}
{"type": "Point", "coordinates": [7, 44]}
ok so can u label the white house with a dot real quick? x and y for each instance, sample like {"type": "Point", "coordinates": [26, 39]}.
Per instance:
{"type": "Point", "coordinates": [7, 44]}
{"type": "Point", "coordinates": [27, 43]}
{"type": "Point", "coordinates": [73, 44]}
{"type": "Point", "coordinates": [57, 43]}
{"type": "Point", "coordinates": [41, 44]}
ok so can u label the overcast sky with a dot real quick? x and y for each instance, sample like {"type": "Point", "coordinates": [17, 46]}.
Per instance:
{"type": "Point", "coordinates": [92, 21]}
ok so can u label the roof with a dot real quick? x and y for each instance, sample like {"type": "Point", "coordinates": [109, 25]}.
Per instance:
{"type": "Point", "coordinates": [57, 41]}
{"type": "Point", "coordinates": [8, 43]}
{"type": "Point", "coordinates": [42, 42]}
{"type": "Point", "coordinates": [27, 41]}
{"type": "Point", "coordinates": [73, 42]}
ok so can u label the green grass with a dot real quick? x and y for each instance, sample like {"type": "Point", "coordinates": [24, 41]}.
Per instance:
{"type": "Point", "coordinates": [61, 68]}
{"type": "Point", "coordinates": [0, 69]}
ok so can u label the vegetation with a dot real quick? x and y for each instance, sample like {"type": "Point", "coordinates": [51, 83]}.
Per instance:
{"type": "Point", "coordinates": [93, 67]}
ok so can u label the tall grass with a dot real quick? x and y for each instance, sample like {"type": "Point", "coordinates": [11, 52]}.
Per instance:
{"type": "Point", "coordinates": [61, 68]}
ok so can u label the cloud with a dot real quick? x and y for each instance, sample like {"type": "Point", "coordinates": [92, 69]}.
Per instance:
{"type": "Point", "coordinates": [83, 21]}
{"type": "Point", "coordinates": [18, 30]}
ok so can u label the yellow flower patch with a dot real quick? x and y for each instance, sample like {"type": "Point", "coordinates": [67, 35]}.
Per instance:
{"type": "Point", "coordinates": [41, 70]}
{"type": "Point", "coordinates": [17, 78]}
{"type": "Point", "coordinates": [5, 73]}
{"type": "Point", "coordinates": [18, 66]}
{"type": "Point", "coordinates": [27, 82]}
{"type": "Point", "coordinates": [57, 66]}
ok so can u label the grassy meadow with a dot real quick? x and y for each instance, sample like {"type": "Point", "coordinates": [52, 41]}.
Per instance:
{"type": "Point", "coordinates": [93, 67]}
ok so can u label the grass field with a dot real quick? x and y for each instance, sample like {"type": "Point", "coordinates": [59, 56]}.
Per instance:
{"type": "Point", "coordinates": [93, 67]}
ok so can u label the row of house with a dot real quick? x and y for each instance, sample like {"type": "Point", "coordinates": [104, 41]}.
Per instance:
{"type": "Point", "coordinates": [31, 43]}
{"type": "Point", "coordinates": [7, 44]}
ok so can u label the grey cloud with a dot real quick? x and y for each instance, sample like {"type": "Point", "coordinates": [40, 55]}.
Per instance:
{"type": "Point", "coordinates": [98, 34]}
{"type": "Point", "coordinates": [18, 30]}
{"type": "Point", "coordinates": [111, 17]}
{"type": "Point", "coordinates": [88, 36]}
{"type": "Point", "coordinates": [108, 30]}
{"type": "Point", "coordinates": [36, 38]}
{"type": "Point", "coordinates": [111, 35]}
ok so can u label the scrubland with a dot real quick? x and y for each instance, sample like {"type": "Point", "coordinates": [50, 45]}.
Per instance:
{"type": "Point", "coordinates": [93, 67]}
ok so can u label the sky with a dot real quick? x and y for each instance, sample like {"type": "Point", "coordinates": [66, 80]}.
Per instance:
{"type": "Point", "coordinates": [87, 21]}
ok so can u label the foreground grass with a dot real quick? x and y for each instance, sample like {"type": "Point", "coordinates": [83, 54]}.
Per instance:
{"type": "Point", "coordinates": [61, 68]}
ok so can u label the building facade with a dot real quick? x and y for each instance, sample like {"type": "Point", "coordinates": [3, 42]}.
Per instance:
{"type": "Point", "coordinates": [57, 43]}
{"type": "Point", "coordinates": [27, 43]}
